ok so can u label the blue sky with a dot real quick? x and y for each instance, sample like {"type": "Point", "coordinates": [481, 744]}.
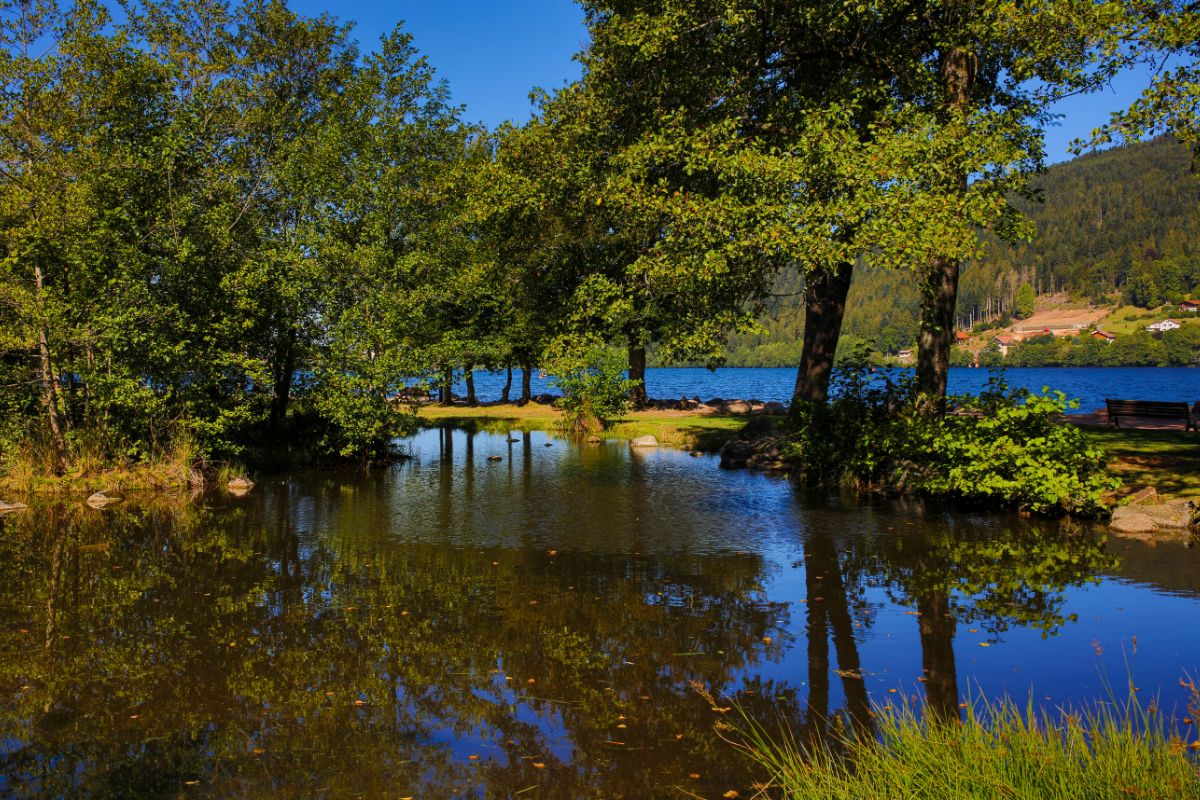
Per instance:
{"type": "Point", "coordinates": [493, 52]}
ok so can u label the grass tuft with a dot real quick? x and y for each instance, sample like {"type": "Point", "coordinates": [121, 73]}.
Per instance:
{"type": "Point", "coordinates": [998, 751]}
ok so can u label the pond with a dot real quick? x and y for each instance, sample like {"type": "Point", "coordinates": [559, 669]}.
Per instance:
{"type": "Point", "coordinates": [523, 616]}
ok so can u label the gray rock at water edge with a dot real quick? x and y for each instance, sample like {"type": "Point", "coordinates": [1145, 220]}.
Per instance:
{"type": "Point", "coordinates": [763, 453]}
{"type": "Point", "coordinates": [736, 407]}
{"type": "Point", "coordinates": [775, 409]}
{"type": "Point", "coordinates": [7, 508]}
{"type": "Point", "coordinates": [593, 439]}
{"type": "Point", "coordinates": [1143, 496]}
{"type": "Point", "coordinates": [104, 499]}
{"type": "Point", "coordinates": [1175, 515]}
{"type": "Point", "coordinates": [543, 399]}
{"type": "Point", "coordinates": [715, 402]}
{"type": "Point", "coordinates": [240, 485]}
{"type": "Point", "coordinates": [644, 441]}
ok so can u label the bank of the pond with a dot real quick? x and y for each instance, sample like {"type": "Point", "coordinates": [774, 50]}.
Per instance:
{"type": "Point", "coordinates": [691, 430]}
{"type": "Point", "coordinates": [997, 751]}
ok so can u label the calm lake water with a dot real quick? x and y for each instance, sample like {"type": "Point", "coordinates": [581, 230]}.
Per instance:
{"type": "Point", "coordinates": [533, 626]}
{"type": "Point", "coordinates": [1090, 385]}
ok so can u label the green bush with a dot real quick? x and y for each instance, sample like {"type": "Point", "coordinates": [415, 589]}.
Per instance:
{"type": "Point", "coordinates": [594, 388]}
{"type": "Point", "coordinates": [1004, 448]}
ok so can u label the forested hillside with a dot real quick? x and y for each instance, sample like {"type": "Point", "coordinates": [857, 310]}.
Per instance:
{"type": "Point", "coordinates": [1123, 223]}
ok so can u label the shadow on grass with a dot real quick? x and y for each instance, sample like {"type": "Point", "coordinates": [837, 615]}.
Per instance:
{"type": "Point", "coordinates": [1166, 460]}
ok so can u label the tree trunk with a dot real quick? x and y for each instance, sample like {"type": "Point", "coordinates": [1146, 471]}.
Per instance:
{"type": "Point", "coordinates": [285, 376]}
{"type": "Point", "coordinates": [469, 374]}
{"type": "Point", "coordinates": [940, 285]}
{"type": "Point", "coordinates": [526, 380]}
{"type": "Point", "coordinates": [824, 307]}
{"type": "Point", "coordinates": [49, 386]}
{"type": "Point", "coordinates": [446, 390]}
{"type": "Point", "coordinates": [507, 384]}
{"type": "Point", "coordinates": [637, 372]}
{"type": "Point", "coordinates": [937, 654]}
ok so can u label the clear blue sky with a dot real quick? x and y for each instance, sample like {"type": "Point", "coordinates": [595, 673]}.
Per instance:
{"type": "Point", "coordinates": [493, 52]}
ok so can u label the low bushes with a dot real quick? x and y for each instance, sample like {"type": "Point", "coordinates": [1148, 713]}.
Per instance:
{"type": "Point", "coordinates": [1003, 448]}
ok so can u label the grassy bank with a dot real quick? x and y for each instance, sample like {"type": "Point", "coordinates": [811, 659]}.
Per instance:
{"type": "Point", "coordinates": [1167, 460]}
{"type": "Point", "coordinates": [997, 752]}
{"type": "Point", "coordinates": [685, 429]}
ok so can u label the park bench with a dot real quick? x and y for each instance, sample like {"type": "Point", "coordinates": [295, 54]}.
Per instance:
{"type": "Point", "coordinates": [1157, 409]}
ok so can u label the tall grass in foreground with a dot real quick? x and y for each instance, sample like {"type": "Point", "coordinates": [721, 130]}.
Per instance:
{"type": "Point", "coordinates": [998, 751]}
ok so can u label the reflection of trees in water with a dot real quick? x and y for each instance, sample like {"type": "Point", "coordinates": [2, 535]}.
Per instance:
{"type": "Point", "coordinates": [953, 570]}
{"type": "Point", "coordinates": [231, 647]}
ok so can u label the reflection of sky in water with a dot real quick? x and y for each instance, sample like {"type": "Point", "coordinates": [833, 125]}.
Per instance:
{"type": "Point", "coordinates": [612, 577]}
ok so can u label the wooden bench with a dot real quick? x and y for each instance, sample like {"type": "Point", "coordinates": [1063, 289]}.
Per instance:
{"type": "Point", "coordinates": [1156, 409]}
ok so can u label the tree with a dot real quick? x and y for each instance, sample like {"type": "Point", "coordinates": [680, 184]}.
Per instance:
{"type": "Point", "coordinates": [1024, 302]}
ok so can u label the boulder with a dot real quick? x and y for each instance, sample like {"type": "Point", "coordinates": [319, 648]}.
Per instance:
{"type": "Point", "coordinates": [240, 485]}
{"type": "Point", "coordinates": [495, 458]}
{"type": "Point", "coordinates": [1131, 523]}
{"type": "Point", "coordinates": [1145, 495]}
{"type": "Point", "coordinates": [757, 451]}
{"type": "Point", "coordinates": [644, 441]}
{"type": "Point", "coordinates": [715, 402]}
{"type": "Point", "coordinates": [6, 508]}
{"type": "Point", "coordinates": [1175, 515]}
{"type": "Point", "coordinates": [105, 498]}
{"type": "Point", "coordinates": [593, 439]}
{"type": "Point", "coordinates": [736, 407]}
{"type": "Point", "coordinates": [543, 399]}
{"type": "Point", "coordinates": [774, 409]}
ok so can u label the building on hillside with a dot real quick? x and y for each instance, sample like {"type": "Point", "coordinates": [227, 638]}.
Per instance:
{"type": "Point", "coordinates": [1103, 336]}
{"type": "Point", "coordinates": [962, 337]}
{"type": "Point", "coordinates": [905, 354]}
{"type": "Point", "coordinates": [1163, 327]}
{"type": "Point", "coordinates": [1191, 306]}
{"type": "Point", "coordinates": [1004, 342]}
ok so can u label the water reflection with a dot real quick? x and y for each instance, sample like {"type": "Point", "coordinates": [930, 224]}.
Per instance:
{"type": "Point", "coordinates": [461, 626]}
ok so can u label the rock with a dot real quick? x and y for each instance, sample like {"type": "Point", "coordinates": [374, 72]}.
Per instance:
{"type": "Point", "coordinates": [736, 407]}
{"type": "Point", "coordinates": [240, 485]}
{"type": "Point", "coordinates": [105, 498]}
{"type": "Point", "coordinates": [593, 439]}
{"type": "Point", "coordinates": [8, 508]}
{"type": "Point", "coordinates": [512, 439]}
{"type": "Point", "coordinates": [1131, 523]}
{"type": "Point", "coordinates": [715, 402]}
{"type": "Point", "coordinates": [1176, 515]}
{"type": "Point", "coordinates": [775, 409]}
{"type": "Point", "coordinates": [495, 458]}
{"type": "Point", "coordinates": [543, 399]}
{"type": "Point", "coordinates": [696, 453]}
{"type": "Point", "coordinates": [644, 441]}
{"type": "Point", "coordinates": [1147, 494]}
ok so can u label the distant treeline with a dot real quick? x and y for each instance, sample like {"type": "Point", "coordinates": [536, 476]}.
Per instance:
{"type": "Point", "coordinates": [1121, 225]}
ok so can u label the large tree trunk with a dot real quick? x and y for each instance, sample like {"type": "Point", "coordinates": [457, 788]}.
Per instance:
{"type": "Point", "coordinates": [637, 372]}
{"type": "Point", "coordinates": [824, 307]}
{"type": "Point", "coordinates": [507, 384]}
{"type": "Point", "coordinates": [940, 285]}
{"type": "Point", "coordinates": [285, 376]}
{"type": "Point", "coordinates": [469, 374]}
{"type": "Point", "coordinates": [526, 381]}
{"type": "Point", "coordinates": [49, 385]}
{"type": "Point", "coordinates": [937, 654]}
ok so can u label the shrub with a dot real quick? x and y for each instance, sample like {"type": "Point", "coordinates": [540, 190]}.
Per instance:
{"type": "Point", "coordinates": [1004, 448]}
{"type": "Point", "coordinates": [594, 388]}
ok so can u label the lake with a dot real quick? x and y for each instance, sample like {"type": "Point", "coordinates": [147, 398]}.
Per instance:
{"type": "Point", "coordinates": [535, 625]}
{"type": "Point", "coordinates": [1090, 385]}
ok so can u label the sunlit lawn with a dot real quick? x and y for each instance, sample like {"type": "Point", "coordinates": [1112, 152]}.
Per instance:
{"type": "Point", "coordinates": [1167, 460]}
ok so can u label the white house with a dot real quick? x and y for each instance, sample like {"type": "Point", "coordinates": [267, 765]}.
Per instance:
{"type": "Point", "coordinates": [1161, 327]}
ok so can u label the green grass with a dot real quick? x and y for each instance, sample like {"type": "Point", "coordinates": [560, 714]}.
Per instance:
{"type": "Point", "coordinates": [1167, 460]}
{"type": "Point", "coordinates": [683, 429]}
{"type": "Point", "coordinates": [1117, 323]}
{"type": "Point", "coordinates": [998, 751]}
